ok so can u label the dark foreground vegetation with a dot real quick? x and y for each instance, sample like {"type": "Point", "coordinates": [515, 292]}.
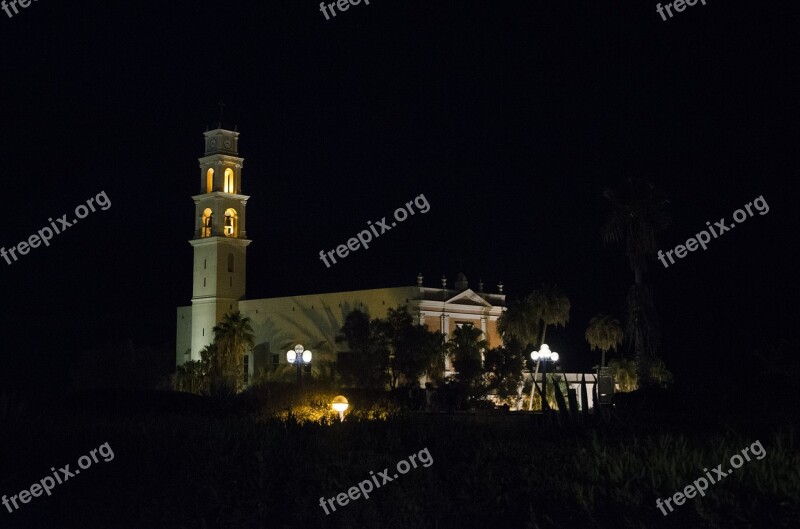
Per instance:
{"type": "Point", "coordinates": [184, 461]}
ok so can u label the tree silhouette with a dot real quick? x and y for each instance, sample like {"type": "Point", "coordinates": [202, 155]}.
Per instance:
{"type": "Point", "coordinates": [638, 214]}
{"type": "Point", "coordinates": [233, 336]}
{"type": "Point", "coordinates": [465, 348]}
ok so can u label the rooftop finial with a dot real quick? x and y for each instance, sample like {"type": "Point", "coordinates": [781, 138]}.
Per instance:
{"type": "Point", "coordinates": [461, 282]}
{"type": "Point", "coordinates": [419, 279]}
{"type": "Point", "coordinates": [500, 287]}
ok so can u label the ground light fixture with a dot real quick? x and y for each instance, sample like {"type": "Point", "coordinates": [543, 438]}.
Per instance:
{"type": "Point", "coordinates": [298, 356]}
{"type": "Point", "coordinates": [340, 405]}
{"type": "Point", "coordinates": [543, 356]}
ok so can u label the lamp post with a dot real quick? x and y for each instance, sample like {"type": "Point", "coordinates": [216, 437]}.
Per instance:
{"type": "Point", "coordinates": [543, 356]}
{"type": "Point", "coordinates": [340, 405]}
{"type": "Point", "coordinates": [299, 356]}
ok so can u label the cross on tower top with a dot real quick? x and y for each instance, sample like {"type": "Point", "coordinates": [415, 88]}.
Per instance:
{"type": "Point", "coordinates": [221, 111]}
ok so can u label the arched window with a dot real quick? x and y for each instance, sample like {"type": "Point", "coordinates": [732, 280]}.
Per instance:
{"type": "Point", "coordinates": [205, 227]}
{"type": "Point", "coordinates": [230, 262]}
{"type": "Point", "coordinates": [231, 223]}
{"type": "Point", "coordinates": [229, 187]}
{"type": "Point", "coordinates": [210, 181]}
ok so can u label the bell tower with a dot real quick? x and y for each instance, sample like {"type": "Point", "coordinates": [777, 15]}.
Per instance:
{"type": "Point", "coordinates": [220, 238]}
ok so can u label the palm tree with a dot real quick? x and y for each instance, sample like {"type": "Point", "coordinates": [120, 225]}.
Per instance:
{"type": "Point", "coordinates": [435, 347]}
{"type": "Point", "coordinates": [232, 337]}
{"type": "Point", "coordinates": [466, 348]}
{"type": "Point", "coordinates": [551, 305]}
{"type": "Point", "coordinates": [604, 333]}
{"type": "Point", "coordinates": [526, 320]}
{"type": "Point", "coordinates": [624, 372]}
{"type": "Point", "coordinates": [638, 214]}
{"type": "Point", "coordinates": [519, 322]}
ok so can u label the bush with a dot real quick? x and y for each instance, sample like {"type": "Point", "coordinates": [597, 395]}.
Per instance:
{"type": "Point", "coordinates": [312, 403]}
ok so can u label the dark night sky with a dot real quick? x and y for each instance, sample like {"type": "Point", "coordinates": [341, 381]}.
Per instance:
{"type": "Point", "coordinates": [510, 117]}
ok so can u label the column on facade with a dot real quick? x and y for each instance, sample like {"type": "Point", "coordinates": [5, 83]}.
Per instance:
{"type": "Point", "coordinates": [445, 326]}
{"type": "Point", "coordinates": [484, 323]}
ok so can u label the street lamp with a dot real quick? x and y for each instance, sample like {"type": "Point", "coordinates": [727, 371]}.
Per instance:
{"type": "Point", "coordinates": [543, 356]}
{"type": "Point", "coordinates": [340, 404]}
{"type": "Point", "coordinates": [298, 356]}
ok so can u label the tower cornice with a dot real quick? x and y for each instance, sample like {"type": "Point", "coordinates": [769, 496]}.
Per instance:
{"type": "Point", "coordinates": [216, 239]}
{"type": "Point", "coordinates": [238, 161]}
{"type": "Point", "coordinates": [220, 194]}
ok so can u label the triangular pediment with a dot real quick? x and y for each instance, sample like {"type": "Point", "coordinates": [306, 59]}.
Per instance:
{"type": "Point", "coordinates": [469, 297]}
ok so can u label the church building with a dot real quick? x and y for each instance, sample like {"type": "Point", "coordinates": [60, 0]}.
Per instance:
{"type": "Point", "coordinates": [219, 279]}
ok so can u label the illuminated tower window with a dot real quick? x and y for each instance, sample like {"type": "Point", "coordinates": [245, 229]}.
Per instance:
{"type": "Point", "coordinates": [205, 229]}
{"type": "Point", "coordinates": [229, 187]}
{"type": "Point", "coordinates": [231, 221]}
{"type": "Point", "coordinates": [210, 181]}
